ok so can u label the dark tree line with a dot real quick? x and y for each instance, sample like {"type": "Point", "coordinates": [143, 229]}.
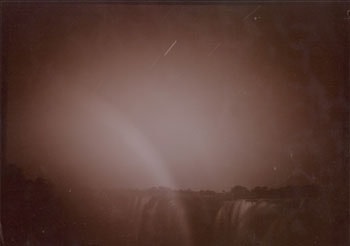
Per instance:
{"type": "Point", "coordinates": [281, 192]}
{"type": "Point", "coordinates": [31, 212]}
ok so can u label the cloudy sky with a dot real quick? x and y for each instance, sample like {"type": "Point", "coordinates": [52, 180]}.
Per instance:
{"type": "Point", "coordinates": [185, 96]}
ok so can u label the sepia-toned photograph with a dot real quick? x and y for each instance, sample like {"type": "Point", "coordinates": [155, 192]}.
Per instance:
{"type": "Point", "coordinates": [175, 123]}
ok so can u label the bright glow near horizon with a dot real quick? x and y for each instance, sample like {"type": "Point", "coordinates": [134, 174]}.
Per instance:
{"type": "Point", "coordinates": [142, 97]}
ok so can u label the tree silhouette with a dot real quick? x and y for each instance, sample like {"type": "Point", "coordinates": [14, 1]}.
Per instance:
{"type": "Point", "coordinates": [31, 212]}
{"type": "Point", "coordinates": [239, 191]}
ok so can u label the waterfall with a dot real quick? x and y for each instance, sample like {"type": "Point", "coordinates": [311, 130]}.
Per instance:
{"type": "Point", "coordinates": [157, 220]}
{"type": "Point", "coordinates": [171, 219]}
{"type": "Point", "coordinates": [267, 222]}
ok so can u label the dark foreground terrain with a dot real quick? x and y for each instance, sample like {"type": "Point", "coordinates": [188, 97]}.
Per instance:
{"type": "Point", "coordinates": [36, 213]}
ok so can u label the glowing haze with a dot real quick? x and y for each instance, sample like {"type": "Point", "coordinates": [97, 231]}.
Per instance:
{"type": "Point", "coordinates": [201, 97]}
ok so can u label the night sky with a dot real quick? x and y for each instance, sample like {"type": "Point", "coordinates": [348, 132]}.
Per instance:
{"type": "Point", "coordinates": [184, 96]}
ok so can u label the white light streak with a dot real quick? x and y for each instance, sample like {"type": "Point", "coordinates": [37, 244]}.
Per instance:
{"type": "Point", "coordinates": [216, 47]}
{"type": "Point", "coordinates": [245, 18]}
{"type": "Point", "coordinates": [171, 46]}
